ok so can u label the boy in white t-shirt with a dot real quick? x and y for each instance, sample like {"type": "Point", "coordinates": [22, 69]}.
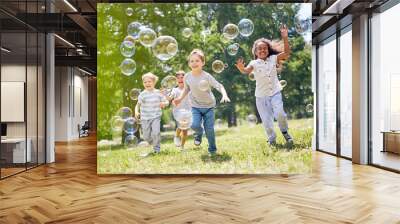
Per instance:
{"type": "Point", "coordinates": [268, 89]}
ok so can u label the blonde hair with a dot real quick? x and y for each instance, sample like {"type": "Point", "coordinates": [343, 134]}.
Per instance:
{"type": "Point", "coordinates": [151, 76]}
{"type": "Point", "coordinates": [274, 47]}
{"type": "Point", "coordinates": [198, 52]}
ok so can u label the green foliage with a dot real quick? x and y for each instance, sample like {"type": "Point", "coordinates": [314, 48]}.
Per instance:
{"type": "Point", "coordinates": [112, 24]}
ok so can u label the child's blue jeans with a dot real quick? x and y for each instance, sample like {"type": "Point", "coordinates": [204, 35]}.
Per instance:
{"type": "Point", "coordinates": [207, 116]}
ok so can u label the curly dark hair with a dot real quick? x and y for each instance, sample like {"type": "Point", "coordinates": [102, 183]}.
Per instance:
{"type": "Point", "coordinates": [272, 47]}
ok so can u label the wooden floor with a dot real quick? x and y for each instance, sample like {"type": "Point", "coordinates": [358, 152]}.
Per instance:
{"type": "Point", "coordinates": [69, 191]}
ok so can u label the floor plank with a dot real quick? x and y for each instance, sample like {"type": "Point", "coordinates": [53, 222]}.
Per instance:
{"type": "Point", "coordinates": [70, 191]}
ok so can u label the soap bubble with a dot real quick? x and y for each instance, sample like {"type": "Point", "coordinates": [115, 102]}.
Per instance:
{"type": "Point", "coordinates": [147, 37]}
{"type": "Point", "coordinates": [130, 126]}
{"type": "Point", "coordinates": [218, 66]}
{"type": "Point", "coordinates": [283, 83]}
{"type": "Point", "coordinates": [187, 32]}
{"type": "Point", "coordinates": [230, 31]}
{"type": "Point", "coordinates": [134, 29]}
{"type": "Point", "coordinates": [302, 26]}
{"type": "Point", "coordinates": [224, 39]}
{"type": "Point", "coordinates": [143, 144]}
{"type": "Point", "coordinates": [251, 77]}
{"type": "Point", "coordinates": [117, 123]}
{"type": "Point", "coordinates": [246, 27]}
{"type": "Point", "coordinates": [169, 82]}
{"type": "Point", "coordinates": [131, 141]}
{"type": "Point", "coordinates": [252, 119]}
{"type": "Point", "coordinates": [280, 5]}
{"type": "Point", "coordinates": [166, 68]}
{"type": "Point", "coordinates": [199, 15]}
{"type": "Point", "coordinates": [309, 108]}
{"type": "Point", "coordinates": [165, 47]}
{"type": "Point", "coordinates": [129, 11]}
{"type": "Point", "coordinates": [124, 112]}
{"type": "Point", "coordinates": [134, 93]}
{"type": "Point", "coordinates": [183, 118]}
{"type": "Point", "coordinates": [232, 49]}
{"type": "Point", "coordinates": [129, 38]}
{"type": "Point", "coordinates": [203, 85]}
{"type": "Point", "coordinates": [128, 66]}
{"type": "Point", "coordinates": [127, 49]}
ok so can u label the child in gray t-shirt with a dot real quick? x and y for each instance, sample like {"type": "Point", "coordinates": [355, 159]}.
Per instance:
{"type": "Point", "coordinates": [148, 109]}
{"type": "Point", "coordinates": [198, 85]}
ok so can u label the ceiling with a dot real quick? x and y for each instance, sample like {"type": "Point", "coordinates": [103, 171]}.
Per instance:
{"type": "Point", "coordinates": [75, 21]}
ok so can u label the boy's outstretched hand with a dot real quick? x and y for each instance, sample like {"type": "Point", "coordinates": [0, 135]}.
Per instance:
{"type": "Point", "coordinates": [284, 31]}
{"type": "Point", "coordinates": [240, 65]}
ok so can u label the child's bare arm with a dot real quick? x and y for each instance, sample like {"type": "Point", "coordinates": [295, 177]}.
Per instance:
{"type": "Point", "coordinates": [137, 113]}
{"type": "Point", "coordinates": [286, 52]}
{"type": "Point", "coordinates": [241, 66]}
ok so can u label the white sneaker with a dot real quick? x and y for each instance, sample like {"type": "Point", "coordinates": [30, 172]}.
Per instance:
{"type": "Point", "coordinates": [177, 141]}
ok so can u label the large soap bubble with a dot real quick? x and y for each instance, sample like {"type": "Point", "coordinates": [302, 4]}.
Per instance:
{"type": "Point", "coordinates": [184, 118]}
{"type": "Point", "coordinates": [128, 66]}
{"type": "Point", "coordinates": [130, 126]}
{"type": "Point", "coordinates": [187, 32]}
{"type": "Point", "coordinates": [169, 82]}
{"type": "Point", "coordinates": [218, 66]}
{"type": "Point", "coordinates": [131, 141]}
{"type": "Point", "coordinates": [124, 112]}
{"type": "Point", "coordinates": [232, 49]}
{"type": "Point", "coordinates": [134, 29]}
{"type": "Point", "coordinates": [165, 47]}
{"type": "Point", "coordinates": [127, 49]}
{"type": "Point", "coordinates": [203, 85]}
{"type": "Point", "coordinates": [134, 93]}
{"type": "Point", "coordinates": [230, 31]}
{"type": "Point", "coordinates": [147, 36]}
{"type": "Point", "coordinates": [246, 27]}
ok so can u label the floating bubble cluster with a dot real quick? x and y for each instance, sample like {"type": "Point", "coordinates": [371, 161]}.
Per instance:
{"type": "Point", "coordinates": [130, 126]}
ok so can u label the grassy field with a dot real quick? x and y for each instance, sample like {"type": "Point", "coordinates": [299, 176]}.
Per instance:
{"type": "Point", "coordinates": [241, 150]}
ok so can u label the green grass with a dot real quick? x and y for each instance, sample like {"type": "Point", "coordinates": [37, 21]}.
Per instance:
{"type": "Point", "coordinates": [242, 150]}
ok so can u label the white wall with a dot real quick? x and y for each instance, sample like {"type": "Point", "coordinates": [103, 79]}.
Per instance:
{"type": "Point", "coordinates": [67, 115]}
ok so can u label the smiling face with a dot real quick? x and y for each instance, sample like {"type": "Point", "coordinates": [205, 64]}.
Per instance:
{"type": "Point", "coordinates": [262, 50]}
{"type": "Point", "coordinates": [195, 62]}
{"type": "Point", "coordinates": [148, 83]}
{"type": "Point", "coordinates": [179, 78]}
